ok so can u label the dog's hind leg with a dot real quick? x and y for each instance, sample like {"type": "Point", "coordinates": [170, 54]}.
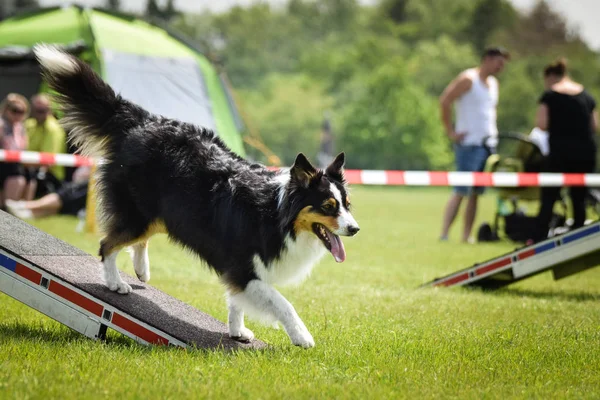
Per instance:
{"type": "Point", "coordinates": [110, 247]}
{"type": "Point", "coordinates": [127, 231]}
{"type": "Point", "coordinates": [237, 330]}
{"type": "Point", "coordinates": [141, 263]}
{"type": "Point", "coordinates": [109, 250]}
{"type": "Point", "coordinates": [261, 297]}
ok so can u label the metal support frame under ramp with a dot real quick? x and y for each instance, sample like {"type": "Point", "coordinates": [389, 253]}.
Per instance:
{"type": "Point", "coordinates": [66, 284]}
{"type": "Point", "coordinates": [564, 255]}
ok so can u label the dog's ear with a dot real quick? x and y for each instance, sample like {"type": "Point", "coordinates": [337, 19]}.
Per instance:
{"type": "Point", "coordinates": [336, 168]}
{"type": "Point", "coordinates": [302, 171]}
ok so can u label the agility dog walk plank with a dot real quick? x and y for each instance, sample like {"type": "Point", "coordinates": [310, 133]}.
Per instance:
{"type": "Point", "coordinates": [565, 255]}
{"type": "Point", "coordinates": [66, 284]}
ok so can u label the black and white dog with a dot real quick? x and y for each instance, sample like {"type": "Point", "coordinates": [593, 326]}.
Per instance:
{"type": "Point", "coordinates": [253, 226]}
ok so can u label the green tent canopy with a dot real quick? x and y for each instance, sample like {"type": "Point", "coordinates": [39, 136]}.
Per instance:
{"type": "Point", "coordinates": [148, 64]}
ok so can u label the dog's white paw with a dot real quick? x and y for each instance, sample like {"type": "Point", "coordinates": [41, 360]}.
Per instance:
{"type": "Point", "coordinates": [302, 338]}
{"type": "Point", "coordinates": [144, 277]}
{"type": "Point", "coordinates": [242, 335]}
{"type": "Point", "coordinates": [119, 287]}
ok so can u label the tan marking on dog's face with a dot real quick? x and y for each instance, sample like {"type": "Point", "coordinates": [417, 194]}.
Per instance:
{"type": "Point", "coordinates": [307, 217]}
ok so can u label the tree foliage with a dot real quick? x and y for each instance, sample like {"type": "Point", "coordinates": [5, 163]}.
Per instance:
{"type": "Point", "coordinates": [380, 70]}
{"type": "Point", "coordinates": [488, 17]}
{"type": "Point", "coordinates": [114, 5]}
{"type": "Point", "coordinates": [387, 122]}
{"type": "Point", "coordinates": [8, 8]}
{"type": "Point", "coordinates": [153, 10]}
{"type": "Point", "coordinates": [287, 110]}
{"type": "Point", "coordinates": [20, 5]}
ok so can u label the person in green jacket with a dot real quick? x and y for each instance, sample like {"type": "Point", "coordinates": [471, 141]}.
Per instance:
{"type": "Point", "coordinates": [46, 135]}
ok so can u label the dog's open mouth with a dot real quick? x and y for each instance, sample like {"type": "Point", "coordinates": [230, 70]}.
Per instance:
{"type": "Point", "coordinates": [331, 241]}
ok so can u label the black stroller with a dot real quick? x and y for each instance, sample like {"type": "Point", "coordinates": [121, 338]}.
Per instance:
{"type": "Point", "coordinates": [516, 153]}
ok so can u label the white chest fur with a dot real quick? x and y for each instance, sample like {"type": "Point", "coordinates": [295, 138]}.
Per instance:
{"type": "Point", "coordinates": [296, 261]}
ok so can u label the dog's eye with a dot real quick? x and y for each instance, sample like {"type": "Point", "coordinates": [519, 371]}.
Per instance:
{"type": "Point", "coordinates": [327, 207]}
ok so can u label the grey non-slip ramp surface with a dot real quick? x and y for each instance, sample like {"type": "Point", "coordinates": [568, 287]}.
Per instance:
{"type": "Point", "coordinates": [145, 303]}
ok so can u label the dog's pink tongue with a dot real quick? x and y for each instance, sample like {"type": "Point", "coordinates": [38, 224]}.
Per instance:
{"type": "Point", "coordinates": [337, 247]}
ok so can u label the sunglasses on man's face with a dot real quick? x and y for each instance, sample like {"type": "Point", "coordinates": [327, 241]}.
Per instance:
{"type": "Point", "coordinates": [16, 110]}
{"type": "Point", "coordinates": [41, 110]}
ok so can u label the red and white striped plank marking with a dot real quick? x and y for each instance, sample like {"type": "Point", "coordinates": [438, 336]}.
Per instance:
{"type": "Point", "coordinates": [529, 260]}
{"type": "Point", "coordinates": [68, 304]}
{"type": "Point", "coordinates": [370, 177]}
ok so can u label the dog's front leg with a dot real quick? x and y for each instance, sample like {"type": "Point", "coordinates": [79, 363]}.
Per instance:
{"type": "Point", "coordinates": [265, 299]}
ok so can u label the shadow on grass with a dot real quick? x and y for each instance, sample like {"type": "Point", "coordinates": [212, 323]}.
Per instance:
{"type": "Point", "coordinates": [40, 333]}
{"type": "Point", "coordinates": [60, 335]}
{"type": "Point", "coordinates": [165, 313]}
{"type": "Point", "coordinates": [550, 295]}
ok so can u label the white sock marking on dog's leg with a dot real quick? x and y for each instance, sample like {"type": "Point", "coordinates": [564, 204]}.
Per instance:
{"type": "Point", "coordinates": [262, 298]}
{"type": "Point", "coordinates": [112, 277]}
{"type": "Point", "coordinates": [141, 262]}
{"type": "Point", "coordinates": [237, 330]}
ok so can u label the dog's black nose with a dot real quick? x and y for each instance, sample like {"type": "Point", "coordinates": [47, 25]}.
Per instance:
{"type": "Point", "coordinates": [353, 230]}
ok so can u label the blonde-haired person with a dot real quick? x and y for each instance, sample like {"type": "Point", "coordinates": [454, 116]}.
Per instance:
{"type": "Point", "coordinates": [568, 112]}
{"type": "Point", "coordinates": [14, 177]}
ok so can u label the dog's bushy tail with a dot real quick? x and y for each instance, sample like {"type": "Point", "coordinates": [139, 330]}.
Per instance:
{"type": "Point", "coordinates": [96, 118]}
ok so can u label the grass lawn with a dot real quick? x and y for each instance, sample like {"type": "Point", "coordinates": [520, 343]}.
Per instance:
{"type": "Point", "coordinates": [377, 335]}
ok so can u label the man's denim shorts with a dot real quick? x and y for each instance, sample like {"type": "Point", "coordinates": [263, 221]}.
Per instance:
{"type": "Point", "coordinates": [470, 159]}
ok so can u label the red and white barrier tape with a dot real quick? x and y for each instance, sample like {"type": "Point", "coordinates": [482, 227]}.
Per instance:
{"type": "Point", "coordinates": [32, 157]}
{"type": "Point", "coordinates": [491, 179]}
{"type": "Point", "coordinates": [371, 177]}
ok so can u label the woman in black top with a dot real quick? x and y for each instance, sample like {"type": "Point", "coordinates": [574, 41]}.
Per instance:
{"type": "Point", "coordinates": [567, 112]}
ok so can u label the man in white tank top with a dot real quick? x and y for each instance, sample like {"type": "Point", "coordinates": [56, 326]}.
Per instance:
{"type": "Point", "coordinates": [475, 92]}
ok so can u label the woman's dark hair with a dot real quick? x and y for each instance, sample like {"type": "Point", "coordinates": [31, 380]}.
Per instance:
{"type": "Point", "coordinates": [557, 68]}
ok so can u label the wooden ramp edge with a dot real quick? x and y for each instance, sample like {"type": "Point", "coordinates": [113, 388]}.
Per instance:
{"type": "Point", "coordinates": [564, 255]}
{"type": "Point", "coordinates": [66, 284]}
